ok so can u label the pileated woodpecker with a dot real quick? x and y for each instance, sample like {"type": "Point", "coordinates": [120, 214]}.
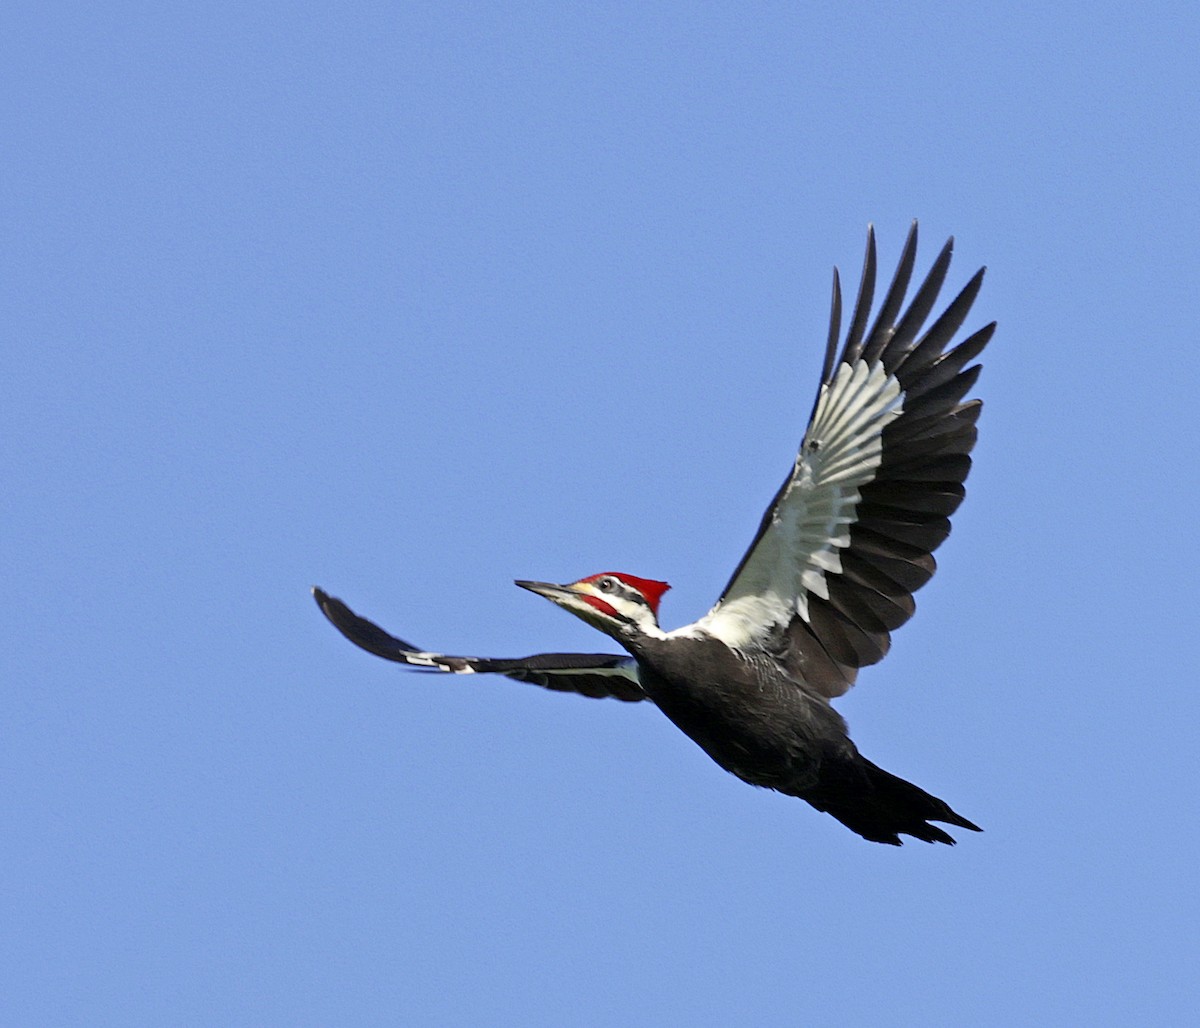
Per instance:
{"type": "Point", "coordinates": [847, 540]}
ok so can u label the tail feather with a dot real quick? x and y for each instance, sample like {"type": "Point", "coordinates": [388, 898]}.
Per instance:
{"type": "Point", "coordinates": [881, 807]}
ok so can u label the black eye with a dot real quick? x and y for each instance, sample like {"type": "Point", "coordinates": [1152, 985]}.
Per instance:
{"type": "Point", "coordinates": [607, 585]}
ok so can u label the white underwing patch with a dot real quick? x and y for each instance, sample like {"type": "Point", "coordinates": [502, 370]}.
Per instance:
{"type": "Point", "coordinates": [811, 522]}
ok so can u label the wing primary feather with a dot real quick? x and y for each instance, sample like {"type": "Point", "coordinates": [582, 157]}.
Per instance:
{"type": "Point", "coordinates": [904, 565]}
{"type": "Point", "coordinates": [951, 363]}
{"type": "Point", "coordinates": [927, 535]}
{"type": "Point", "coordinates": [363, 633]}
{"type": "Point", "coordinates": [942, 331]}
{"type": "Point", "coordinates": [935, 498]}
{"type": "Point", "coordinates": [943, 397]}
{"type": "Point", "coordinates": [835, 328]}
{"type": "Point", "coordinates": [910, 324]}
{"type": "Point", "coordinates": [932, 467]}
{"type": "Point", "coordinates": [959, 421]}
{"type": "Point", "coordinates": [862, 306]}
{"type": "Point", "coordinates": [881, 333]}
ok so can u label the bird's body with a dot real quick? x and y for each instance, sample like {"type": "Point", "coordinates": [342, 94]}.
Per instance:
{"type": "Point", "coordinates": [743, 712]}
{"type": "Point", "coordinates": [756, 723]}
{"type": "Point", "coordinates": [830, 574]}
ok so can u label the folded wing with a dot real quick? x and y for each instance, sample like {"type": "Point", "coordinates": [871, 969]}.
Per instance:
{"type": "Point", "coordinates": [850, 535]}
{"type": "Point", "coordinates": [589, 674]}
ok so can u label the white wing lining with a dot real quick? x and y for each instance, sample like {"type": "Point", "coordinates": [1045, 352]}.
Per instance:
{"type": "Point", "coordinates": [811, 522]}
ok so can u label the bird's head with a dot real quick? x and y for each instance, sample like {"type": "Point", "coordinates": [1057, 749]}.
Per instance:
{"type": "Point", "coordinates": [619, 605]}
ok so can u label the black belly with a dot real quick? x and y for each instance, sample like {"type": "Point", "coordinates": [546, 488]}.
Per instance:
{"type": "Point", "coordinates": [754, 723]}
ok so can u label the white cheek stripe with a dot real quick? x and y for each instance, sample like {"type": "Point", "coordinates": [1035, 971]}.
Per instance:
{"type": "Point", "coordinates": [638, 613]}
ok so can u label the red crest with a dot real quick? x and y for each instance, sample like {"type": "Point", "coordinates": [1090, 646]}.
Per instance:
{"type": "Point", "coordinates": [648, 587]}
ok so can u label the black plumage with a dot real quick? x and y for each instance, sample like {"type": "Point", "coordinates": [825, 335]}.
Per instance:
{"type": "Point", "coordinates": [830, 573]}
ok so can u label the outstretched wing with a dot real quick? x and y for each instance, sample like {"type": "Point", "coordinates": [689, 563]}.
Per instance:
{"type": "Point", "coordinates": [590, 674]}
{"type": "Point", "coordinates": [850, 535]}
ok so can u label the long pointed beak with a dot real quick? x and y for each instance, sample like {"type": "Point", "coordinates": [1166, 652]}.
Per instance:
{"type": "Point", "coordinates": [547, 589]}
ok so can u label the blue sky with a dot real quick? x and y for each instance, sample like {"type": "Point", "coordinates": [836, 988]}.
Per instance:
{"type": "Point", "coordinates": [412, 300]}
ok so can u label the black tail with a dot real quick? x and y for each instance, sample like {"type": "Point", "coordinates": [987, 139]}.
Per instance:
{"type": "Point", "coordinates": [881, 807]}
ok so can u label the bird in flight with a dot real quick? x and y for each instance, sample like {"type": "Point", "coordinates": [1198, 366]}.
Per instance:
{"type": "Point", "coordinates": [847, 540]}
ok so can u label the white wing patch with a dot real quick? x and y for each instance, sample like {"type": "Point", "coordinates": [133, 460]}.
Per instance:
{"type": "Point", "coordinates": [438, 662]}
{"type": "Point", "coordinates": [811, 521]}
{"type": "Point", "coordinates": [626, 669]}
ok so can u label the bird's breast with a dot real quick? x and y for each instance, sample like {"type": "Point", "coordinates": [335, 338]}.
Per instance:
{"type": "Point", "coordinates": [745, 714]}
